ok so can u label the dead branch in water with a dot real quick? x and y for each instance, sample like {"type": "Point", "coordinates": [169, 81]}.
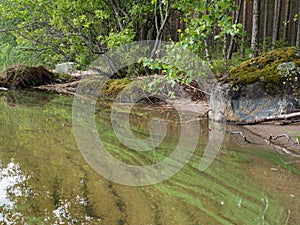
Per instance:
{"type": "Point", "coordinates": [269, 141]}
{"type": "Point", "coordinates": [272, 137]}
{"type": "Point", "coordinates": [243, 136]}
{"type": "Point", "coordinates": [270, 118]}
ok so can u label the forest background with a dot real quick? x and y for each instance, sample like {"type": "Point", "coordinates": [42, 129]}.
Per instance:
{"type": "Point", "coordinates": [223, 32]}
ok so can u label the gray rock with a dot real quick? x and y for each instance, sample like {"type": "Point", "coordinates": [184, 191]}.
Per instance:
{"type": "Point", "coordinates": [66, 68]}
{"type": "Point", "coordinates": [250, 102]}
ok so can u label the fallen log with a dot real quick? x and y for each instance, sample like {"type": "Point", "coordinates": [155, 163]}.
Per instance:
{"type": "Point", "coordinates": [269, 118]}
{"type": "Point", "coordinates": [65, 88]}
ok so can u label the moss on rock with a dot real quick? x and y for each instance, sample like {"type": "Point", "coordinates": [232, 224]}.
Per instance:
{"type": "Point", "coordinates": [113, 86]}
{"type": "Point", "coordinates": [64, 78]}
{"type": "Point", "coordinates": [264, 68]}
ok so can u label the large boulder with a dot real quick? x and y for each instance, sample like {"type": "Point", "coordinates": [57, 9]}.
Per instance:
{"type": "Point", "coordinates": [258, 88]}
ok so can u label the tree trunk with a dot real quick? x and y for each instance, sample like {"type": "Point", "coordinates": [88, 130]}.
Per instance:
{"type": "Point", "coordinates": [298, 29]}
{"type": "Point", "coordinates": [277, 9]}
{"type": "Point", "coordinates": [225, 40]}
{"type": "Point", "coordinates": [286, 21]}
{"type": "Point", "coordinates": [235, 21]}
{"type": "Point", "coordinates": [293, 27]}
{"type": "Point", "coordinates": [244, 29]}
{"type": "Point", "coordinates": [255, 28]}
{"type": "Point", "coordinates": [207, 55]}
{"type": "Point", "coordinates": [265, 28]}
{"type": "Point", "coordinates": [160, 22]}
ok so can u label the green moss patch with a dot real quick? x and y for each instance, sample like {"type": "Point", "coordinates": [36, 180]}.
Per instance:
{"type": "Point", "coordinates": [64, 78]}
{"type": "Point", "coordinates": [263, 68]}
{"type": "Point", "coordinates": [113, 87]}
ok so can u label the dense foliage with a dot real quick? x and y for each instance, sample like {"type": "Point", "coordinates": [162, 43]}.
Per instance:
{"type": "Point", "coordinates": [79, 31]}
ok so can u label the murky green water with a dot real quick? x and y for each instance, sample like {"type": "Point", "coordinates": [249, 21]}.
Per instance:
{"type": "Point", "coordinates": [45, 180]}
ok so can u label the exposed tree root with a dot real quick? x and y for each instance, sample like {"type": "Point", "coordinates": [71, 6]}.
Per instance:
{"type": "Point", "coordinates": [22, 76]}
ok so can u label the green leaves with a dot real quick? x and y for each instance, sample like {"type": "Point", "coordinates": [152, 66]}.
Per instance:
{"type": "Point", "coordinates": [202, 17]}
{"type": "Point", "coordinates": [76, 30]}
{"type": "Point", "coordinates": [115, 39]}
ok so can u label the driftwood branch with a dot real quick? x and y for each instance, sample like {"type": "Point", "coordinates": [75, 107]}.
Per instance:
{"type": "Point", "coordinates": [66, 88]}
{"type": "Point", "coordinates": [270, 118]}
{"type": "Point", "coordinates": [272, 137]}
{"type": "Point", "coordinates": [243, 136]}
{"type": "Point", "coordinates": [269, 141]}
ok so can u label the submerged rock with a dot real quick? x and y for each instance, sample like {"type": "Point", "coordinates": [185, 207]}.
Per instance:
{"type": "Point", "coordinates": [258, 88]}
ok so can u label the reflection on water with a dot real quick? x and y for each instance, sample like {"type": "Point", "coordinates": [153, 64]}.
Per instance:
{"type": "Point", "coordinates": [45, 180]}
{"type": "Point", "coordinates": [10, 177]}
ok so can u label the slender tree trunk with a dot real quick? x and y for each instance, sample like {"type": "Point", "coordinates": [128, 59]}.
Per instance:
{"type": "Point", "coordinates": [205, 41]}
{"type": "Point", "coordinates": [277, 9]}
{"type": "Point", "coordinates": [212, 40]}
{"type": "Point", "coordinates": [298, 28]}
{"type": "Point", "coordinates": [255, 28]}
{"type": "Point", "coordinates": [207, 55]}
{"type": "Point", "coordinates": [235, 21]}
{"type": "Point", "coordinates": [117, 16]}
{"type": "Point", "coordinates": [225, 40]}
{"type": "Point", "coordinates": [265, 28]}
{"type": "Point", "coordinates": [286, 21]}
{"type": "Point", "coordinates": [160, 22]}
{"type": "Point", "coordinates": [293, 30]}
{"type": "Point", "coordinates": [244, 29]}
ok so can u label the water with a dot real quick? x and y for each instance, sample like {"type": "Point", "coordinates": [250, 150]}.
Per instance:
{"type": "Point", "coordinates": [44, 179]}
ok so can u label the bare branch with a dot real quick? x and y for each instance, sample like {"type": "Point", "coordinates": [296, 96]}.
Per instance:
{"type": "Point", "coordinates": [155, 14]}
{"type": "Point", "coordinates": [17, 28]}
{"type": "Point", "coordinates": [243, 136]}
{"type": "Point", "coordinates": [272, 137]}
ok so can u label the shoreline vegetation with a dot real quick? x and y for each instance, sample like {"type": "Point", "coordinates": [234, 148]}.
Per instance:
{"type": "Point", "coordinates": [279, 131]}
{"type": "Point", "coordinates": [227, 34]}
